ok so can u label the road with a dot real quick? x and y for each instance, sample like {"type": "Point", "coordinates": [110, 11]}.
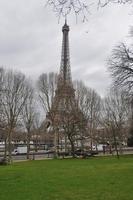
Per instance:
{"type": "Point", "coordinates": [33, 156]}
{"type": "Point", "coordinates": [42, 155]}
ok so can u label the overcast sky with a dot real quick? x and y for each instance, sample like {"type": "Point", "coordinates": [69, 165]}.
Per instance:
{"type": "Point", "coordinates": [31, 39]}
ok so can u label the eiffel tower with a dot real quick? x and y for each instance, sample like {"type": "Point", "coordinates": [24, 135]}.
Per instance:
{"type": "Point", "coordinates": [64, 113]}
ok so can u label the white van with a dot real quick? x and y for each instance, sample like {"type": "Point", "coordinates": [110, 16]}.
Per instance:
{"type": "Point", "coordinates": [20, 150]}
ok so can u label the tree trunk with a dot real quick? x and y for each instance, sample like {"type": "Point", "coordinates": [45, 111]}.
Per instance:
{"type": "Point", "coordinates": [116, 146]}
{"type": "Point", "coordinates": [72, 147]}
{"type": "Point", "coordinates": [55, 144]}
{"type": "Point", "coordinates": [82, 145]}
{"type": "Point", "coordinates": [65, 143]}
{"type": "Point", "coordinates": [58, 141]}
{"type": "Point", "coordinates": [36, 144]}
{"type": "Point", "coordinates": [121, 147]}
{"type": "Point", "coordinates": [28, 145]}
{"type": "Point", "coordinates": [10, 145]}
{"type": "Point", "coordinates": [5, 150]}
{"type": "Point", "coordinates": [91, 145]}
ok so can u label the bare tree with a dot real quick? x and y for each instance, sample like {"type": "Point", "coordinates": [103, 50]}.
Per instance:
{"type": "Point", "coordinates": [82, 94]}
{"type": "Point", "coordinates": [38, 129]}
{"type": "Point", "coordinates": [120, 65]}
{"type": "Point", "coordinates": [72, 125]}
{"type": "Point", "coordinates": [90, 104]}
{"type": "Point", "coordinates": [47, 86]}
{"type": "Point", "coordinates": [65, 7]}
{"type": "Point", "coordinates": [2, 73]}
{"type": "Point", "coordinates": [80, 7]}
{"type": "Point", "coordinates": [115, 117]}
{"type": "Point", "coordinates": [103, 3]}
{"type": "Point", "coordinates": [13, 100]}
{"type": "Point", "coordinates": [29, 114]}
{"type": "Point", "coordinates": [94, 116]}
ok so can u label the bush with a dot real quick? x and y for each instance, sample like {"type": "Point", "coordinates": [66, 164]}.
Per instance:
{"type": "Point", "coordinates": [4, 161]}
{"type": "Point", "coordinates": [130, 142]}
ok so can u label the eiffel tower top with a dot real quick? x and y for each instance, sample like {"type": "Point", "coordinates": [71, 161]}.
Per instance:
{"type": "Point", "coordinates": [65, 71]}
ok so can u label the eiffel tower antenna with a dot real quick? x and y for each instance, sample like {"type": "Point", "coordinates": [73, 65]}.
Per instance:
{"type": "Point", "coordinates": [65, 19]}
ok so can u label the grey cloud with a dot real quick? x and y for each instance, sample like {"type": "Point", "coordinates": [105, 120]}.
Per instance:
{"type": "Point", "coordinates": [30, 40]}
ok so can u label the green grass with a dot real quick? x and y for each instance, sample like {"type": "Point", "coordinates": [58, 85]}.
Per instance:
{"type": "Point", "coordinates": [90, 179]}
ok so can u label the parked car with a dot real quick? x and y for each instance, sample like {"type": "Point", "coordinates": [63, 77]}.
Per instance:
{"type": "Point", "coordinates": [85, 154]}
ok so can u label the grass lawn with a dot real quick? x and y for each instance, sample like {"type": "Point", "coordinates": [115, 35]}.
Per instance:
{"type": "Point", "coordinates": [91, 179]}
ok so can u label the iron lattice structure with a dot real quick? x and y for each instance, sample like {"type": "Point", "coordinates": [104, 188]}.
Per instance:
{"type": "Point", "coordinates": [65, 114]}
